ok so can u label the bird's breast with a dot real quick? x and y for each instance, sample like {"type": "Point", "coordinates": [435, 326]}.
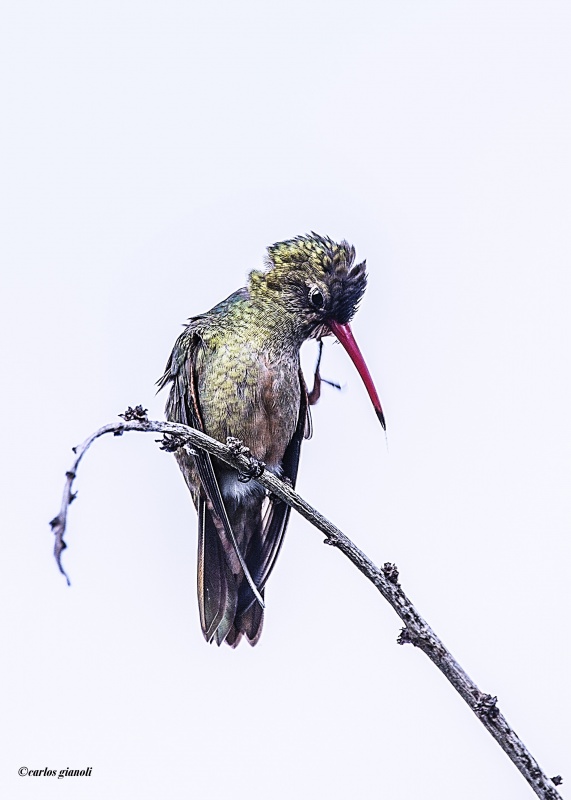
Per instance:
{"type": "Point", "coordinates": [252, 395]}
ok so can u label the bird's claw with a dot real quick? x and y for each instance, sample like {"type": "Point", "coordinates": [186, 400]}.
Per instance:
{"type": "Point", "coordinates": [314, 395]}
{"type": "Point", "coordinates": [254, 468]}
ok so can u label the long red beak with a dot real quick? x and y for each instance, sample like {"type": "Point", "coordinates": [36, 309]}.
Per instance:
{"type": "Point", "coordinates": [345, 336]}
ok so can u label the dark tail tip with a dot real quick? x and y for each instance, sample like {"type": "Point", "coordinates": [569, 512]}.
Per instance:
{"type": "Point", "coordinates": [381, 417]}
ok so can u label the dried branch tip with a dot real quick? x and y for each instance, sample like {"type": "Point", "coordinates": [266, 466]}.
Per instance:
{"type": "Point", "coordinates": [57, 524]}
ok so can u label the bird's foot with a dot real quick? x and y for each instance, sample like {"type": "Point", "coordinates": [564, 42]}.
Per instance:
{"type": "Point", "coordinates": [254, 468]}
{"type": "Point", "coordinates": [314, 395]}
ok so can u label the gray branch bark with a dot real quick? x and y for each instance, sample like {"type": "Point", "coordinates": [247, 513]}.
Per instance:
{"type": "Point", "coordinates": [415, 631]}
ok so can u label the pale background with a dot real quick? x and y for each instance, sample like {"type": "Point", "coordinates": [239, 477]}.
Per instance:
{"type": "Point", "coordinates": [149, 154]}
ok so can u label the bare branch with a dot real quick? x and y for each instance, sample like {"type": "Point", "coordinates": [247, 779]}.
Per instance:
{"type": "Point", "coordinates": [415, 631]}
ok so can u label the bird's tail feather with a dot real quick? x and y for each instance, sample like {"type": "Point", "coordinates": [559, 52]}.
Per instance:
{"type": "Point", "coordinates": [217, 589]}
{"type": "Point", "coordinates": [228, 608]}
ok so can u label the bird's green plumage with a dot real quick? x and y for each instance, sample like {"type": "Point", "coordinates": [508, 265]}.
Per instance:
{"type": "Point", "coordinates": [235, 372]}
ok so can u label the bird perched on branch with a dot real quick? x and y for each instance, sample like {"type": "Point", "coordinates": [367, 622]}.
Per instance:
{"type": "Point", "coordinates": [235, 371]}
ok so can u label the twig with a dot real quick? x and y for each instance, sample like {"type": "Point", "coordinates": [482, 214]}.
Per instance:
{"type": "Point", "coordinates": [416, 631]}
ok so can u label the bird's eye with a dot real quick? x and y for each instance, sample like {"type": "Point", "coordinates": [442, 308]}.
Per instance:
{"type": "Point", "coordinates": [316, 298]}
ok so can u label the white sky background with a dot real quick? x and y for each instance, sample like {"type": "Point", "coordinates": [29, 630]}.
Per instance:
{"type": "Point", "coordinates": [150, 153]}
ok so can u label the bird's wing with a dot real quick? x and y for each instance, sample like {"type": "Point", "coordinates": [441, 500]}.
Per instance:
{"type": "Point", "coordinates": [266, 541]}
{"type": "Point", "coordinates": [219, 556]}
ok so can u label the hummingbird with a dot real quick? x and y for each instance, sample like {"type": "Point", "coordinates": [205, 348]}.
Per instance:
{"type": "Point", "coordinates": [235, 372]}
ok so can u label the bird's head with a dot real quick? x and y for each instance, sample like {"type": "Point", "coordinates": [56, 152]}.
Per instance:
{"type": "Point", "coordinates": [317, 283]}
{"type": "Point", "coordinates": [318, 279]}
